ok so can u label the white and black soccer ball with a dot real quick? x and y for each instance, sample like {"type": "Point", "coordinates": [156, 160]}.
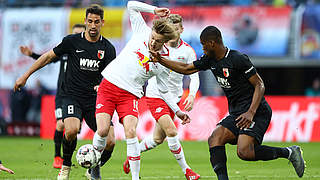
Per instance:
{"type": "Point", "coordinates": [88, 156]}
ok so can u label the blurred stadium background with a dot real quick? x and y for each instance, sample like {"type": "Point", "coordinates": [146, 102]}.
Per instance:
{"type": "Point", "coordinates": [282, 38]}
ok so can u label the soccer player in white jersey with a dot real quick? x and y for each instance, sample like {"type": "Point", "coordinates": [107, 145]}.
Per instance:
{"type": "Point", "coordinates": [124, 77]}
{"type": "Point", "coordinates": [165, 128]}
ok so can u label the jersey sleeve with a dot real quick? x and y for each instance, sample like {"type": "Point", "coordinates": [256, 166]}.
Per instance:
{"type": "Point", "coordinates": [138, 24]}
{"type": "Point", "coordinates": [202, 64]}
{"type": "Point", "coordinates": [162, 81]}
{"type": "Point", "coordinates": [244, 65]}
{"type": "Point", "coordinates": [194, 78]}
{"type": "Point", "coordinates": [110, 54]}
{"type": "Point", "coordinates": [63, 47]}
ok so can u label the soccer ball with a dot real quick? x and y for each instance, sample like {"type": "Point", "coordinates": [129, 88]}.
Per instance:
{"type": "Point", "coordinates": [88, 156]}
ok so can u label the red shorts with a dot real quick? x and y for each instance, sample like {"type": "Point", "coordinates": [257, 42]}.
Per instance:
{"type": "Point", "coordinates": [158, 108]}
{"type": "Point", "coordinates": [111, 97]}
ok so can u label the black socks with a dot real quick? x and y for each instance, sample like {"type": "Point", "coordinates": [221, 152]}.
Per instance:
{"type": "Point", "coordinates": [57, 142]}
{"type": "Point", "coordinates": [218, 161]}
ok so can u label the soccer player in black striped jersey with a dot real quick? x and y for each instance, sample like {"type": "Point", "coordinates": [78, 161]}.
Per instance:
{"type": "Point", "coordinates": [88, 54]}
{"type": "Point", "coordinates": [249, 113]}
{"type": "Point", "coordinates": [58, 134]}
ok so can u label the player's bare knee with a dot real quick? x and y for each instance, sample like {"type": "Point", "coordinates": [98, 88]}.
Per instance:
{"type": "Point", "coordinates": [171, 132]}
{"type": "Point", "coordinates": [215, 139]}
{"type": "Point", "coordinates": [60, 125]}
{"type": "Point", "coordinates": [158, 140]}
{"type": "Point", "coordinates": [71, 134]}
{"type": "Point", "coordinates": [245, 153]}
{"type": "Point", "coordinates": [130, 132]}
{"type": "Point", "coordinates": [103, 131]}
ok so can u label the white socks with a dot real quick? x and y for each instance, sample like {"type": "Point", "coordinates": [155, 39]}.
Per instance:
{"type": "Point", "coordinates": [176, 149]}
{"type": "Point", "coordinates": [133, 155]}
{"type": "Point", "coordinates": [99, 142]}
{"type": "Point", "coordinates": [147, 144]}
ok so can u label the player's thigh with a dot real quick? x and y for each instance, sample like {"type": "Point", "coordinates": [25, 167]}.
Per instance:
{"type": "Point", "coordinates": [71, 115]}
{"type": "Point", "coordinates": [106, 101]}
{"type": "Point", "coordinates": [103, 121]}
{"type": "Point", "coordinates": [246, 142]}
{"type": "Point", "coordinates": [258, 127]}
{"type": "Point", "coordinates": [221, 136]}
{"type": "Point", "coordinates": [72, 126]}
{"type": "Point", "coordinates": [127, 106]}
{"type": "Point", "coordinates": [158, 134]}
{"type": "Point", "coordinates": [130, 123]}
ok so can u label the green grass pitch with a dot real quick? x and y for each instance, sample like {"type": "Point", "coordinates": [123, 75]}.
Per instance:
{"type": "Point", "coordinates": [31, 158]}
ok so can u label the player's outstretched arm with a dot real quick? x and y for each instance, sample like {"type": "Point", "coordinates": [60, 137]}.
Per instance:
{"type": "Point", "coordinates": [41, 62]}
{"type": "Point", "coordinates": [25, 50]}
{"type": "Point", "coordinates": [178, 67]}
{"type": "Point", "coordinates": [2, 168]}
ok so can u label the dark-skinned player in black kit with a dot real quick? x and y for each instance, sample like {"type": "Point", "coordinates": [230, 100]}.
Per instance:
{"type": "Point", "coordinates": [249, 113]}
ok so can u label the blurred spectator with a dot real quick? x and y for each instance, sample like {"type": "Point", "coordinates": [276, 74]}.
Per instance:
{"type": "Point", "coordinates": [246, 31]}
{"type": "Point", "coordinates": [35, 106]}
{"type": "Point", "coordinates": [315, 89]}
{"type": "Point", "coordinates": [19, 105]}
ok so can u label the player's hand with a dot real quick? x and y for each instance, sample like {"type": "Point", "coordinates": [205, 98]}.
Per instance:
{"type": "Point", "coordinates": [188, 103]}
{"type": "Point", "coordinates": [154, 56]}
{"type": "Point", "coordinates": [20, 83]}
{"type": "Point", "coordinates": [96, 88]}
{"type": "Point", "coordinates": [184, 117]}
{"type": "Point", "coordinates": [25, 50]}
{"type": "Point", "coordinates": [2, 168]}
{"type": "Point", "coordinates": [162, 12]}
{"type": "Point", "coordinates": [245, 120]}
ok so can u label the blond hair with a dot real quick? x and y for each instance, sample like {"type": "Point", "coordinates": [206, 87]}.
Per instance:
{"type": "Point", "coordinates": [175, 18]}
{"type": "Point", "coordinates": [164, 27]}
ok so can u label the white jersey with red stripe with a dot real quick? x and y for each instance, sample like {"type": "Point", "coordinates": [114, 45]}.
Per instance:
{"type": "Point", "coordinates": [131, 69]}
{"type": "Point", "coordinates": [183, 53]}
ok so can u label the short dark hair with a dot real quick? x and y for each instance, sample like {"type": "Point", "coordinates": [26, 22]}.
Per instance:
{"type": "Point", "coordinates": [79, 26]}
{"type": "Point", "coordinates": [95, 9]}
{"type": "Point", "coordinates": [211, 33]}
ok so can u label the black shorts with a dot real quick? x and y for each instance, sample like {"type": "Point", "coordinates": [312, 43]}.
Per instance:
{"type": "Point", "coordinates": [258, 128]}
{"type": "Point", "coordinates": [81, 109]}
{"type": "Point", "coordinates": [58, 110]}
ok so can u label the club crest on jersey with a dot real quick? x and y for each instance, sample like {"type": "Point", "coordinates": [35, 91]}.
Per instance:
{"type": "Point", "coordinates": [225, 72]}
{"type": "Point", "coordinates": [143, 61]}
{"type": "Point", "coordinates": [100, 54]}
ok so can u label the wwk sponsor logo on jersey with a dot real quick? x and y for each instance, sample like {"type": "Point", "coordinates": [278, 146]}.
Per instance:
{"type": "Point", "coordinates": [143, 60]}
{"type": "Point", "coordinates": [223, 82]}
{"type": "Point", "coordinates": [89, 64]}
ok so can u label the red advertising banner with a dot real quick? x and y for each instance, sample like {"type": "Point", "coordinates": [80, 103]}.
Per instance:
{"type": "Point", "coordinates": [294, 119]}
